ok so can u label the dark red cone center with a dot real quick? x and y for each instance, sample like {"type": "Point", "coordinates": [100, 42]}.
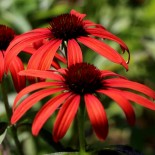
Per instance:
{"type": "Point", "coordinates": [6, 36]}
{"type": "Point", "coordinates": [83, 78]}
{"type": "Point", "coordinates": [67, 26]}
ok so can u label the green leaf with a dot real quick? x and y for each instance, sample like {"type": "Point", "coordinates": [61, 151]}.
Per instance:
{"type": "Point", "coordinates": [3, 131]}
{"type": "Point", "coordinates": [3, 126]}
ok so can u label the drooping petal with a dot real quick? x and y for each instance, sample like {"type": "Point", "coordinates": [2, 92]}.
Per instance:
{"type": "Point", "coordinates": [15, 67]}
{"type": "Point", "coordinates": [99, 32]}
{"type": "Point", "coordinates": [121, 100]}
{"type": "Point", "coordinates": [48, 55]}
{"type": "Point", "coordinates": [34, 87]}
{"type": "Point", "coordinates": [35, 60]}
{"type": "Point", "coordinates": [19, 44]}
{"type": "Point", "coordinates": [55, 64]}
{"type": "Point", "coordinates": [14, 51]}
{"type": "Point", "coordinates": [31, 34]}
{"type": "Point", "coordinates": [103, 49]}
{"type": "Point", "coordinates": [30, 49]}
{"type": "Point", "coordinates": [42, 74]}
{"type": "Point", "coordinates": [74, 53]}
{"type": "Point", "coordinates": [25, 105]}
{"type": "Point", "coordinates": [122, 83]}
{"type": "Point", "coordinates": [65, 117]}
{"type": "Point", "coordinates": [88, 23]}
{"type": "Point", "coordinates": [47, 110]}
{"type": "Point", "coordinates": [139, 99]}
{"type": "Point", "coordinates": [79, 15]}
{"type": "Point", "coordinates": [106, 73]}
{"type": "Point", "coordinates": [1, 66]}
{"type": "Point", "coordinates": [61, 58]}
{"type": "Point", "coordinates": [37, 56]}
{"type": "Point", "coordinates": [97, 116]}
{"type": "Point", "coordinates": [62, 71]}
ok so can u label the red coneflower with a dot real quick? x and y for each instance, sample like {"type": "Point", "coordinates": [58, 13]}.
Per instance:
{"type": "Point", "coordinates": [16, 65]}
{"type": "Point", "coordinates": [79, 82]}
{"type": "Point", "coordinates": [67, 30]}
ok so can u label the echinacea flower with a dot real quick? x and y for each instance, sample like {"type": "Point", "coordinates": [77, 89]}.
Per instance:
{"type": "Point", "coordinates": [79, 82]}
{"type": "Point", "coordinates": [67, 30]}
{"type": "Point", "coordinates": [16, 65]}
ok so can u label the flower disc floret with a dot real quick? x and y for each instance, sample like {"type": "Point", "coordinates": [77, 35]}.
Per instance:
{"type": "Point", "coordinates": [6, 36]}
{"type": "Point", "coordinates": [67, 26]}
{"type": "Point", "coordinates": [83, 78]}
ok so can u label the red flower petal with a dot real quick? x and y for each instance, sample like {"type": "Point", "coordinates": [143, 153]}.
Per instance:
{"type": "Point", "coordinates": [97, 116]}
{"type": "Point", "coordinates": [59, 57]}
{"type": "Point", "coordinates": [106, 73]}
{"type": "Point", "coordinates": [74, 53]}
{"type": "Point", "coordinates": [19, 43]}
{"type": "Point", "coordinates": [1, 66]}
{"type": "Point", "coordinates": [88, 23]}
{"type": "Point", "coordinates": [80, 15]}
{"type": "Point", "coordinates": [15, 67]}
{"type": "Point", "coordinates": [122, 83]}
{"type": "Point", "coordinates": [61, 71]}
{"type": "Point", "coordinates": [34, 87]}
{"type": "Point", "coordinates": [100, 32]}
{"type": "Point", "coordinates": [55, 64]}
{"type": "Point", "coordinates": [42, 74]}
{"type": "Point", "coordinates": [121, 100]}
{"type": "Point", "coordinates": [65, 117]}
{"type": "Point", "coordinates": [37, 56]}
{"type": "Point", "coordinates": [103, 49]}
{"type": "Point", "coordinates": [30, 34]}
{"type": "Point", "coordinates": [30, 49]}
{"type": "Point", "coordinates": [48, 55]}
{"type": "Point", "coordinates": [30, 101]}
{"type": "Point", "coordinates": [47, 110]}
{"type": "Point", "coordinates": [139, 99]}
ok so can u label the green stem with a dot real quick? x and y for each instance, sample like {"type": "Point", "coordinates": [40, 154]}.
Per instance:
{"type": "Point", "coordinates": [81, 120]}
{"type": "Point", "coordinates": [9, 114]}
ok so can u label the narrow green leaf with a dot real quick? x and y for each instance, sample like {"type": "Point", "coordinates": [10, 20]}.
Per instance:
{"type": "Point", "coordinates": [3, 131]}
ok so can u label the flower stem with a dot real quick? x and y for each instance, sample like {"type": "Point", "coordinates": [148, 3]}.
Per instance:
{"type": "Point", "coordinates": [9, 114]}
{"type": "Point", "coordinates": [81, 119]}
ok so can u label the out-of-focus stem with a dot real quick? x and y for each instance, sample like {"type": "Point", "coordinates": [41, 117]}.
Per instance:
{"type": "Point", "coordinates": [9, 113]}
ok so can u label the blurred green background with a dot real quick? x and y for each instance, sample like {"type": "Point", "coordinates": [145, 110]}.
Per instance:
{"type": "Point", "coordinates": [131, 20]}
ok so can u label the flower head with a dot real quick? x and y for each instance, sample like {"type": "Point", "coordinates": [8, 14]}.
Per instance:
{"type": "Point", "coordinates": [79, 82]}
{"type": "Point", "coordinates": [67, 30]}
{"type": "Point", "coordinates": [67, 26]}
{"type": "Point", "coordinates": [6, 36]}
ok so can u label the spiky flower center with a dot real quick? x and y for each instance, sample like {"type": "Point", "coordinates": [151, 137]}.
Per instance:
{"type": "Point", "coordinates": [6, 36]}
{"type": "Point", "coordinates": [83, 78]}
{"type": "Point", "coordinates": [67, 26]}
